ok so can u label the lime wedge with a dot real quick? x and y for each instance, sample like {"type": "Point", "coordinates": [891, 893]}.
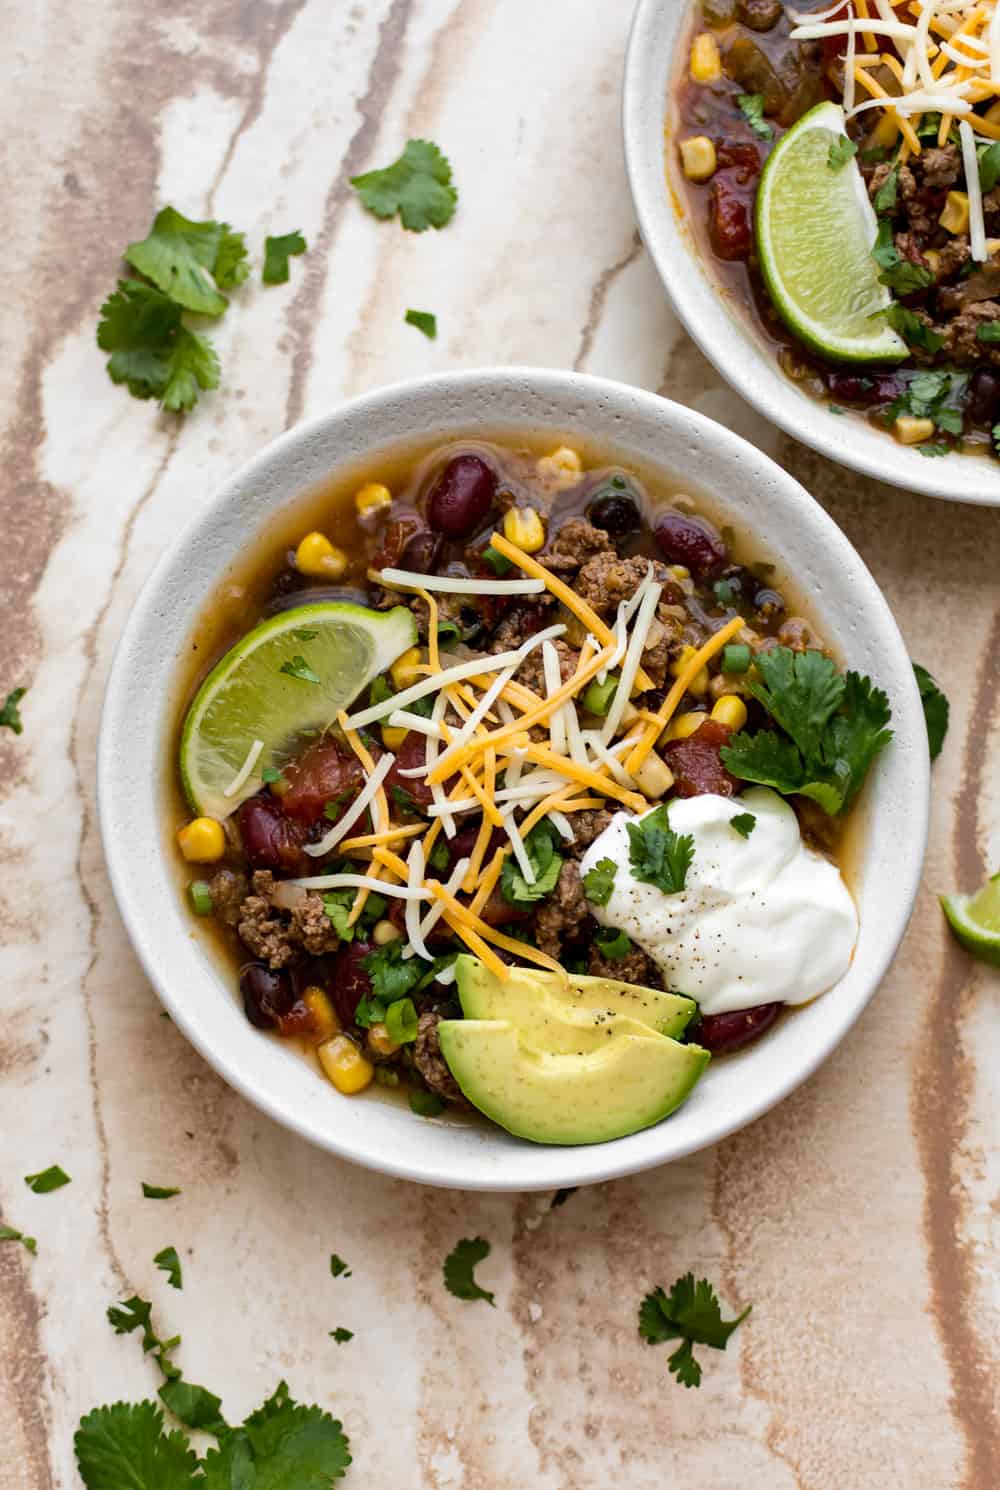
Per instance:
{"type": "Point", "coordinates": [285, 680]}
{"type": "Point", "coordinates": [975, 920]}
{"type": "Point", "coordinates": [815, 233]}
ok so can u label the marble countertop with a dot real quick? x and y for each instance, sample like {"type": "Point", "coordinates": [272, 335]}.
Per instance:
{"type": "Point", "coordinates": [861, 1217]}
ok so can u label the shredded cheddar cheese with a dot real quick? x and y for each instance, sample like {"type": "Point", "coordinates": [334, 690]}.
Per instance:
{"type": "Point", "coordinates": [687, 676]}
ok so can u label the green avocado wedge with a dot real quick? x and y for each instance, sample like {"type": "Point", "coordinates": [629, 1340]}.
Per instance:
{"type": "Point", "coordinates": [553, 1012]}
{"type": "Point", "coordinates": [631, 1082]}
{"type": "Point", "coordinates": [288, 678]}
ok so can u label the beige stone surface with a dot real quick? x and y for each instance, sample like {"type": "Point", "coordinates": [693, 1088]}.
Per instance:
{"type": "Point", "coordinates": [861, 1218]}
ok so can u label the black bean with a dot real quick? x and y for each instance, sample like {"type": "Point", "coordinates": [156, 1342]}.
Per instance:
{"type": "Point", "coordinates": [267, 995]}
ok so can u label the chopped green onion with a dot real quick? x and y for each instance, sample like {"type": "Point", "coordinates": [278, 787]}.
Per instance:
{"type": "Point", "coordinates": [736, 658]}
{"type": "Point", "coordinates": [724, 592]}
{"type": "Point", "coordinates": [612, 944]}
{"type": "Point", "coordinates": [449, 632]}
{"type": "Point", "coordinates": [401, 1022]}
{"type": "Point", "coordinates": [375, 908]}
{"type": "Point", "coordinates": [201, 897]}
{"type": "Point", "coordinates": [425, 1104]}
{"type": "Point", "coordinates": [497, 561]}
{"type": "Point", "coordinates": [597, 697]}
{"type": "Point", "coordinates": [386, 1076]}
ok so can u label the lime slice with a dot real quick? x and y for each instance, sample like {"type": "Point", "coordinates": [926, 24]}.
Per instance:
{"type": "Point", "coordinates": [975, 920]}
{"type": "Point", "coordinates": [264, 690]}
{"type": "Point", "coordinates": [815, 233]}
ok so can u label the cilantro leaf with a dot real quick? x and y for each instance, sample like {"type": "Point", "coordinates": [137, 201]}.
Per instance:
{"type": "Point", "coordinates": [800, 690]}
{"type": "Point", "coordinates": [459, 1268]}
{"type": "Point", "coordinates": [47, 1180]}
{"type": "Point", "coordinates": [989, 331]}
{"type": "Point", "coordinates": [540, 846]}
{"type": "Point", "coordinates": [194, 1406]}
{"type": "Point", "coordinates": [231, 267]}
{"type": "Point", "coordinates": [599, 882]}
{"type": "Point", "coordinates": [905, 278]}
{"type": "Point", "coordinates": [936, 709]}
{"type": "Point", "coordinates": [393, 977]}
{"type": "Point", "coordinates": [767, 758]}
{"type": "Point", "coordinates": [912, 329]}
{"type": "Point", "coordinates": [425, 321]}
{"type": "Point", "coordinates": [169, 1263]}
{"type": "Point", "coordinates": [293, 1447]}
{"type": "Point", "coordinates": [658, 855]}
{"type": "Point", "coordinates": [887, 194]}
{"type": "Point", "coordinates": [338, 1267]}
{"type": "Point", "coordinates": [933, 450]}
{"type": "Point", "coordinates": [743, 823]}
{"type": "Point", "coordinates": [298, 667]}
{"type": "Point", "coordinates": [690, 1313]}
{"type": "Point", "coordinates": [337, 905]}
{"type": "Point", "coordinates": [841, 151]}
{"type": "Point", "coordinates": [126, 1445]}
{"type": "Point", "coordinates": [9, 1234]}
{"type": "Point", "coordinates": [856, 734]}
{"type": "Point", "coordinates": [884, 250]}
{"type": "Point", "coordinates": [417, 186]}
{"type": "Point", "coordinates": [231, 1466]}
{"type": "Point", "coordinates": [989, 167]}
{"type": "Point", "coordinates": [277, 252]}
{"type": "Point", "coordinates": [179, 256]}
{"type": "Point", "coordinates": [10, 715]}
{"type": "Point", "coordinates": [137, 1314]}
{"type": "Point", "coordinates": [152, 352]}
{"type": "Point", "coordinates": [191, 365]}
{"type": "Point", "coordinates": [340, 1335]}
{"type": "Point", "coordinates": [752, 109]}
{"type": "Point", "coordinates": [159, 1192]}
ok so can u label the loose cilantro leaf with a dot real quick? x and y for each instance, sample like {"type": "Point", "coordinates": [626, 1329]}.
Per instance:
{"type": "Point", "coordinates": [599, 882]}
{"type": "Point", "coordinates": [459, 1276]}
{"type": "Point", "coordinates": [689, 1313]}
{"type": "Point", "coordinates": [340, 1335]}
{"type": "Point", "coordinates": [856, 734]}
{"type": "Point", "coordinates": [277, 252]}
{"type": "Point", "coordinates": [913, 331]}
{"type": "Point", "coordinates": [338, 1267]}
{"type": "Point", "coordinates": [743, 823]}
{"type": "Point", "coordinates": [936, 709]}
{"type": "Point", "coordinates": [612, 944]}
{"type": "Point", "coordinates": [405, 801]}
{"type": "Point", "coordinates": [800, 690]}
{"type": "Point", "coordinates": [884, 250]}
{"type": "Point", "coordinates": [126, 1446]}
{"type": "Point", "coordinates": [841, 151]}
{"type": "Point", "coordinates": [932, 395]}
{"type": "Point", "coordinates": [191, 366]}
{"type": "Point", "coordinates": [231, 267]}
{"type": "Point", "coordinates": [47, 1180]}
{"type": "Point", "coordinates": [752, 109]}
{"type": "Point", "coordinates": [194, 1406]}
{"type": "Point", "coordinates": [170, 1263]}
{"type": "Point", "coordinates": [417, 186]}
{"type": "Point", "coordinates": [298, 667]}
{"type": "Point", "coordinates": [887, 194]}
{"type": "Point", "coordinates": [424, 321]}
{"type": "Point", "coordinates": [933, 450]}
{"type": "Point", "coordinates": [540, 846]}
{"type": "Point", "coordinates": [766, 758]}
{"type": "Point", "coordinates": [393, 977]}
{"type": "Point", "coordinates": [990, 330]}
{"type": "Point", "coordinates": [231, 1466]}
{"type": "Point", "coordinates": [292, 1445]}
{"type": "Point", "coordinates": [337, 905]}
{"type": "Point", "coordinates": [159, 1192]}
{"type": "Point", "coordinates": [989, 167]}
{"type": "Point", "coordinates": [9, 1234]}
{"type": "Point", "coordinates": [10, 715]}
{"type": "Point", "coordinates": [137, 1314]}
{"type": "Point", "coordinates": [180, 256]}
{"type": "Point", "coordinates": [152, 351]}
{"type": "Point", "coordinates": [658, 855]}
{"type": "Point", "coordinates": [440, 858]}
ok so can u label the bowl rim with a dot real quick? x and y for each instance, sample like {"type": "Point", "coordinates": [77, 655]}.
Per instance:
{"type": "Point", "coordinates": [130, 739]}
{"type": "Point", "coordinates": [703, 305]}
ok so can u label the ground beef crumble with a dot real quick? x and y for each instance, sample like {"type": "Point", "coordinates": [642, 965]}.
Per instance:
{"type": "Point", "coordinates": [634, 967]}
{"type": "Point", "coordinates": [277, 937]}
{"type": "Point", "coordinates": [431, 1063]}
{"type": "Point", "coordinates": [562, 916]}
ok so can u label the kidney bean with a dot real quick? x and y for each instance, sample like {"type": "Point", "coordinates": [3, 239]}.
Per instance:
{"type": "Point", "coordinates": [724, 1033]}
{"type": "Point", "coordinates": [983, 398]}
{"type": "Point", "coordinates": [862, 388]}
{"type": "Point", "coordinates": [404, 524]}
{"type": "Point", "coordinates": [421, 551]}
{"type": "Point", "coordinates": [690, 541]}
{"type": "Point", "coordinates": [322, 774]}
{"type": "Point", "coordinates": [267, 995]}
{"type": "Point", "coordinates": [461, 496]}
{"type": "Point", "coordinates": [270, 839]}
{"type": "Point", "coordinates": [350, 982]}
{"type": "Point", "coordinates": [614, 511]}
{"type": "Point", "coordinates": [697, 764]}
{"type": "Point", "coordinates": [728, 223]}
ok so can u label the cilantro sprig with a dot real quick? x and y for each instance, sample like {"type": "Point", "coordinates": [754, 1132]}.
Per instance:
{"type": "Point", "coordinates": [11, 1234]}
{"type": "Point", "coordinates": [658, 855]}
{"type": "Point", "coordinates": [932, 395]}
{"type": "Point", "coordinates": [459, 1270]}
{"type": "Point", "coordinates": [277, 252]}
{"type": "Point", "coordinates": [423, 320]}
{"type": "Point", "coordinates": [47, 1180]}
{"type": "Point", "coordinates": [832, 728]}
{"type": "Point", "coordinates": [752, 109]}
{"type": "Point", "coordinates": [10, 714]}
{"type": "Point", "coordinates": [418, 186]}
{"type": "Point", "coordinates": [936, 709]}
{"type": "Point", "coordinates": [841, 151]}
{"type": "Point", "coordinates": [599, 882]}
{"type": "Point", "coordinates": [545, 860]}
{"type": "Point", "coordinates": [689, 1313]}
{"type": "Point", "coordinates": [169, 1262]}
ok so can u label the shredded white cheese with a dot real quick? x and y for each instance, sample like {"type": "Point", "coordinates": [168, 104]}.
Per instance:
{"type": "Point", "coordinates": [977, 224]}
{"type": "Point", "coordinates": [252, 757]}
{"type": "Point", "coordinates": [357, 807]}
{"type": "Point", "coordinates": [452, 584]}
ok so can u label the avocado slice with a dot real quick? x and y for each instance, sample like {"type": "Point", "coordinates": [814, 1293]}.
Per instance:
{"type": "Point", "coordinates": [632, 1081]}
{"type": "Point", "coordinates": [538, 1002]}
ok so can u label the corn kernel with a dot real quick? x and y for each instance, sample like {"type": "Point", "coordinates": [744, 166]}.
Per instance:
{"type": "Point", "coordinates": [385, 932]}
{"type": "Point", "coordinates": [344, 1064]}
{"type": "Point", "coordinates": [886, 132]}
{"type": "Point", "coordinates": [731, 711]}
{"type": "Point", "coordinates": [654, 777]}
{"type": "Point", "coordinates": [706, 62]}
{"type": "Point", "coordinates": [371, 498]}
{"type": "Point", "coordinates": [910, 431]}
{"type": "Point", "coordinates": [324, 1016]}
{"type": "Point", "coordinates": [404, 670]}
{"type": "Point", "coordinates": [955, 217]}
{"type": "Point", "coordinates": [562, 466]}
{"type": "Point", "coordinates": [684, 725]}
{"type": "Point", "coordinates": [523, 526]}
{"type": "Point", "coordinates": [698, 158]}
{"type": "Point", "coordinates": [680, 571]}
{"type": "Point", "coordinates": [202, 841]}
{"type": "Point", "coordinates": [934, 260]}
{"type": "Point", "coordinates": [378, 1040]}
{"type": "Point", "coordinates": [392, 737]}
{"type": "Point", "coordinates": [699, 683]}
{"type": "Point", "coordinates": [318, 557]}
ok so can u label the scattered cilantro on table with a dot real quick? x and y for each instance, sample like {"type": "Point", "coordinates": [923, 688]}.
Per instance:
{"type": "Point", "coordinates": [277, 252]}
{"type": "Point", "coordinates": [936, 709]}
{"type": "Point", "coordinates": [11, 1234]}
{"type": "Point", "coordinates": [152, 351]}
{"type": "Point", "coordinates": [658, 855]}
{"type": "Point", "coordinates": [599, 882]}
{"type": "Point", "coordinates": [833, 728]}
{"type": "Point", "coordinates": [689, 1313]}
{"type": "Point", "coordinates": [540, 847]}
{"type": "Point", "coordinates": [743, 823]}
{"type": "Point", "coordinates": [459, 1268]}
{"type": "Point", "coordinates": [340, 1335]}
{"type": "Point", "coordinates": [752, 109]}
{"type": "Point", "coordinates": [159, 1192]}
{"type": "Point", "coordinates": [169, 1263]}
{"type": "Point", "coordinates": [10, 714]}
{"type": "Point", "coordinates": [417, 186]}
{"type": "Point", "coordinates": [47, 1180]}
{"type": "Point", "coordinates": [423, 320]}
{"type": "Point", "coordinates": [182, 258]}
{"type": "Point", "coordinates": [841, 151]}
{"type": "Point", "coordinates": [338, 1267]}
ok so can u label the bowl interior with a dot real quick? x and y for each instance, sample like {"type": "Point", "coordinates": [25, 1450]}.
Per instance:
{"type": "Point", "coordinates": [656, 53]}
{"type": "Point", "coordinates": [746, 489]}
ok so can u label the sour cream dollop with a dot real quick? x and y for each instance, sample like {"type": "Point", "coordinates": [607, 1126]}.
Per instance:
{"type": "Point", "coordinates": [761, 920]}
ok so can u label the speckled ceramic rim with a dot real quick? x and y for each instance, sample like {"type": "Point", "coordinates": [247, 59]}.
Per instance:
{"type": "Point", "coordinates": [722, 332]}
{"type": "Point", "coordinates": [756, 496]}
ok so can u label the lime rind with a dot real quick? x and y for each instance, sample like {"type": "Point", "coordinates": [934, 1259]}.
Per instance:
{"type": "Point", "coordinates": [246, 697]}
{"type": "Point", "coordinates": [815, 231]}
{"type": "Point", "coordinates": [975, 920]}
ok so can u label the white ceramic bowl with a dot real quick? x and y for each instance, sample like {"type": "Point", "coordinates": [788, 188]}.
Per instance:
{"type": "Point", "coordinates": [743, 487]}
{"type": "Point", "coordinates": [656, 56]}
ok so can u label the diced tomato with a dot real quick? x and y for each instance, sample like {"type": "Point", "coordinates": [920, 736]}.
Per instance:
{"type": "Point", "coordinates": [323, 774]}
{"type": "Point", "coordinates": [728, 222]}
{"type": "Point", "coordinates": [742, 158]}
{"type": "Point", "coordinates": [411, 753]}
{"type": "Point", "coordinates": [696, 763]}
